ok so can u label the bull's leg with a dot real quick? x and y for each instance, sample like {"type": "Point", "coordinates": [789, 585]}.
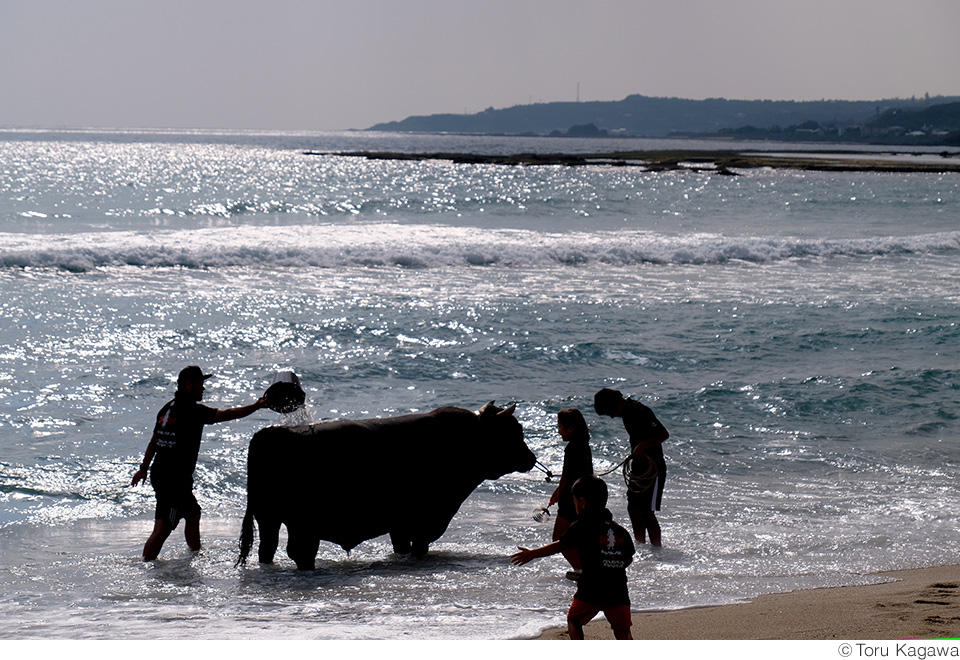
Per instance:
{"type": "Point", "coordinates": [420, 537]}
{"type": "Point", "coordinates": [401, 543]}
{"type": "Point", "coordinates": [419, 548]}
{"type": "Point", "coordinates": [269, 539]}
{"type": "Point", "coordinates": [302, 547]}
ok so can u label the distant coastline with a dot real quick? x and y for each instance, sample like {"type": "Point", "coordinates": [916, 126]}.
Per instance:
{"type": "Point", "coordinates": [927, 121]}
{"type": "Point", "coordinates": [720, 162]}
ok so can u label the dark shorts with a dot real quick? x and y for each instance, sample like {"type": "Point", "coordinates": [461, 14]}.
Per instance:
{"type": "Point", "coordinates": [648, 499]}
{"type": "Point", "coordinates": [618, 615]}
{"type": "Point", "coordinates": [174, 505]}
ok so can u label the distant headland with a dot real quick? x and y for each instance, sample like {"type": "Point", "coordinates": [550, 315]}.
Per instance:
{"type": "Point", "coordinates": [926, 121]}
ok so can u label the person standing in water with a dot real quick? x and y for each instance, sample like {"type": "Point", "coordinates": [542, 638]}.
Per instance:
{"type": "Point", "coordinates": [648, 469]}
{"type": "Point", "coordinates": [606, 550]}
{"type": "Point", "coordinates": [577, 462]}
{"type": "Point", "coordinates": [173, 450]}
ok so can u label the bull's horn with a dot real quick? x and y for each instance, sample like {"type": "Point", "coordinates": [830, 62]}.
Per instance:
{"type": "Point", "coordinates": [508, 412]}
{"type": "Point", "coordinates": [488, 409]}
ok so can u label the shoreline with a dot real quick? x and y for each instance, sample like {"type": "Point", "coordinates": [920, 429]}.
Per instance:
{"type": "Point", "coordinates": [719, 162]}
{"type": "Point", "coordinates": [921, 603]}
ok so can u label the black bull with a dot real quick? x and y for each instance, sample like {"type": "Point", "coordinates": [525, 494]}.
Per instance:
{"type": "Point", "coordinates": [350, 481]}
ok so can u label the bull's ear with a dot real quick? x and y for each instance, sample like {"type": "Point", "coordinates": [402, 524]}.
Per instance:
{"type": "Point", "coordinates": [488, 409]}
{"type": "Point", "coordinates": [508, 412]}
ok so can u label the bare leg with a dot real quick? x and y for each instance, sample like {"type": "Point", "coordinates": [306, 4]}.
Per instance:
{"type": "Point", "coordinates": [638, 521]}
{"type": "Point", "coordinates": [622, 634]}
{"type": "Point", "coordinates": [574, 629]}
{"type": "Point", "coordinates": [645, 522]}
{"type": "Point", "coordinates": [191, 531]}
{"type": "Point", "coordinates": [653, 529]}
{"type": "Point", "coordinates": [151, 549]}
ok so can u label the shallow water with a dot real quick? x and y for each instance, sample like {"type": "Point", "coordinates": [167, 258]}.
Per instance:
{"type": "Point", "coordinates": [796, 332]}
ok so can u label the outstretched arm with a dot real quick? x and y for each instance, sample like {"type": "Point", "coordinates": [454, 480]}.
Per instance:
{"type": "Point", "coordinates": [229, 414]}
{"type": "Point", "coordinates": [527, 555]}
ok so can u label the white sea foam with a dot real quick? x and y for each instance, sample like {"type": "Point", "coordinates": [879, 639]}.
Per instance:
{"type": "Point", "coordinates": [425, 246]}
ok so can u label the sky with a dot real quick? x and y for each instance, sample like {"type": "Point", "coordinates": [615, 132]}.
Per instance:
{"type": "Point", "coordinates": [323, 65]}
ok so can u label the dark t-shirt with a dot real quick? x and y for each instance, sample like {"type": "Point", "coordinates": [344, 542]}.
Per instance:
{"type": "Point", "coordinates": [641, 423]}
{"type": "Point", "coordinates": [606, 550]}
{"type": "Point", "coordinates": [179, 430]}
{"type": "Point", "coordinates": [577, 462]}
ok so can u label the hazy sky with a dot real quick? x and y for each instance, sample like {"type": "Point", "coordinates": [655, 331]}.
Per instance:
{"type": "Point", "coordinates": [327, 65]}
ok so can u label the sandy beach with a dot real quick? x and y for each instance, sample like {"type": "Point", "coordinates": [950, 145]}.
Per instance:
{"type": "Point", "coordinates": [913, 604]}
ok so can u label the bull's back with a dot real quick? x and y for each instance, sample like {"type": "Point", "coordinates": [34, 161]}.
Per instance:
{"type": "Point", "coordinates": [390, 445]}
{"type": "Point", "coordinates": [289, 451]}
{"type": "Point", "coordinates": [355, 439]}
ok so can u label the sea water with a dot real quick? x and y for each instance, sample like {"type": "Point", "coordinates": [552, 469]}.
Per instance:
{"type": "Point", "coordinates": [796, 332]}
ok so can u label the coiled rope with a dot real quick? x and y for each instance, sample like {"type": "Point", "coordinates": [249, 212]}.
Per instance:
{"type": "Point", "coordinates": [640, 480]}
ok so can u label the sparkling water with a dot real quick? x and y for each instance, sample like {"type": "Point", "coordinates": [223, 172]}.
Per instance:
{"type": "Point", "coordinates": [796, 332]}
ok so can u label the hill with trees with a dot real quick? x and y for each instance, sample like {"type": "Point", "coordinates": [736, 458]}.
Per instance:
{"type": "Point", "coordinates": [643, 116]}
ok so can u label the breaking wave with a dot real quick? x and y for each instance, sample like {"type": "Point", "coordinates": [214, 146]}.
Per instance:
{"type": "Point", "coordinates": [423, 247]}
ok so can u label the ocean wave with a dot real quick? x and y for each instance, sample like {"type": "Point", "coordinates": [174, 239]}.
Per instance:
{"type": "Point", "coordinates": [424, 247]}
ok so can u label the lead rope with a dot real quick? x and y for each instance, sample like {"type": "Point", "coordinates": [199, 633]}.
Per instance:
{"type": "Point", "coordinates": [636, 483]}
{"type": "Point", "coordinates": [623, 462]}
{"type": "Point", "coordinates": [543, 468]}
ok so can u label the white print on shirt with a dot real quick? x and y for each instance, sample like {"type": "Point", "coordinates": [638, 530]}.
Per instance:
{"type": "Point", "coordinates": [166, 436]}
{"type": "Point", "coordinates": [610, 556]}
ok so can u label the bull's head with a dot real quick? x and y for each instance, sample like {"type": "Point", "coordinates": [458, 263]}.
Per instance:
{"type": "Point", "coordinates": [504, 450]}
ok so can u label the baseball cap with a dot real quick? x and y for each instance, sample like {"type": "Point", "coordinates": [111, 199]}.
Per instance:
{"type": "Point", "coordinates": [193, 372]}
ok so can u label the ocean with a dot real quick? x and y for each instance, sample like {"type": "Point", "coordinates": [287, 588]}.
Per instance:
{"type": "Point", "coordinates": [797, 332]}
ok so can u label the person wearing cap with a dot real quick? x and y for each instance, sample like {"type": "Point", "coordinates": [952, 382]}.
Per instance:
{"type": "Point", "coordinates": [173, 450]}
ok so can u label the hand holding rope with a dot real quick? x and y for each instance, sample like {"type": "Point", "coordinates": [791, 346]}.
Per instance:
{"type": "Point", "coordinates": [543, 468]}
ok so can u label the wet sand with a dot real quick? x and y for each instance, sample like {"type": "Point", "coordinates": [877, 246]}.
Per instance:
{"type": "Point", "coordinates": [912, 604]}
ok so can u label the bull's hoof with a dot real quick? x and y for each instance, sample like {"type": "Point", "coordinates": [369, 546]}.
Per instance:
{"type": "Point", "coordinates": [400, 546]}
{"type": "Point", "coordinates": [306, 566]}
{"type": "Point", "coordinates": [420, 549]}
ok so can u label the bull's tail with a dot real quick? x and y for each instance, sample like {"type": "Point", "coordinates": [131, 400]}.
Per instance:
{"type": "Point", "coordinates": [246, 538]}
